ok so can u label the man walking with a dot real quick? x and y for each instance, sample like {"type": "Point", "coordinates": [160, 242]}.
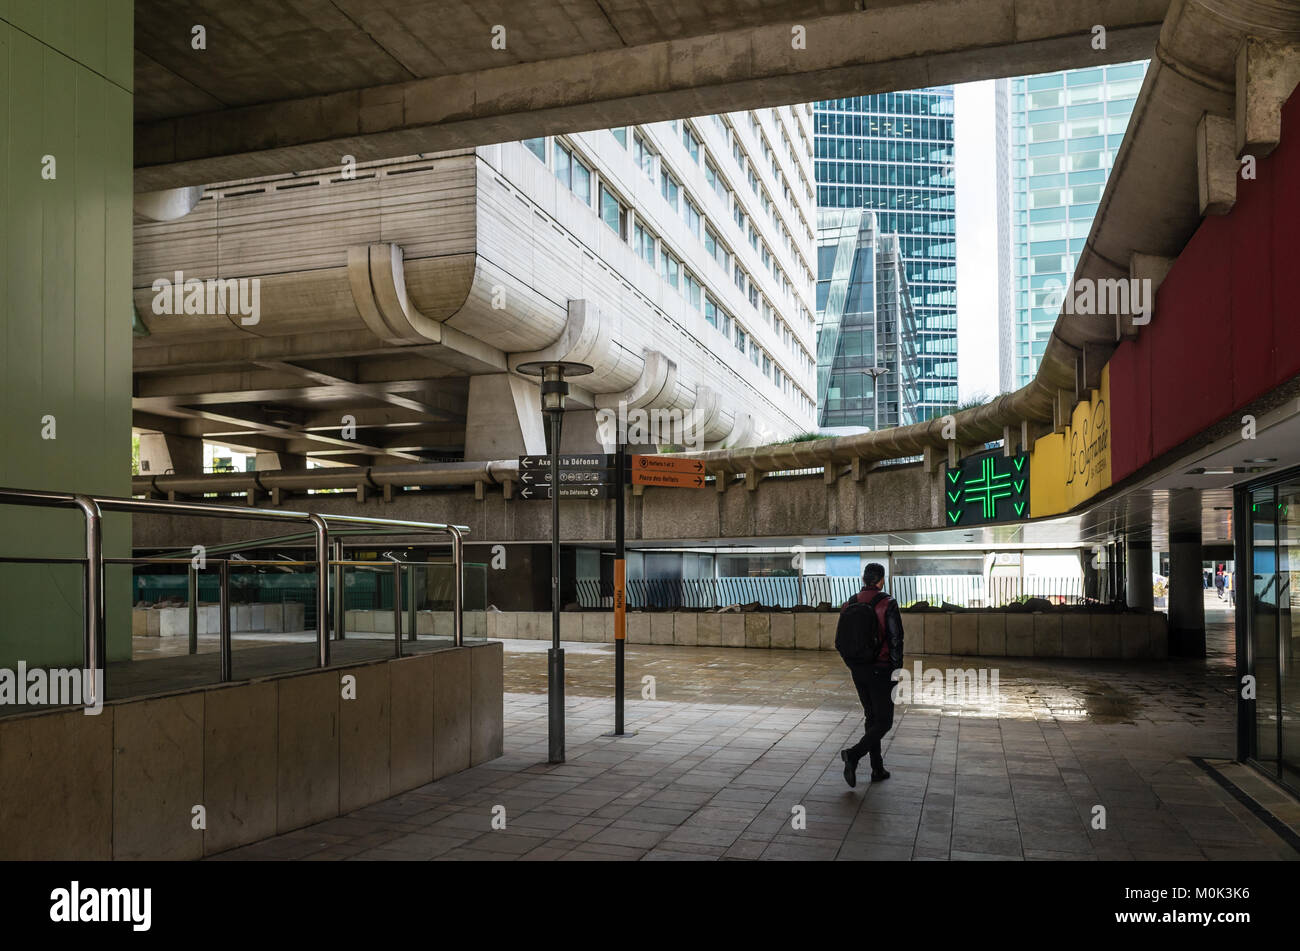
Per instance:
{"type": "Point", "coordinates": [869, 637]}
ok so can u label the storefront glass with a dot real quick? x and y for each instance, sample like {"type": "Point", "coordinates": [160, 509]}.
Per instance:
{"type": "Point", "coordinates": [1271, 537]}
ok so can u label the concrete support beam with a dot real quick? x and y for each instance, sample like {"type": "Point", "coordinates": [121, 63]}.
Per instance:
{"type": "Point", "coordinates": [163, 453]}
{"type": "Point", "coordinates": [1267, 74]}
{"type": "Point", "coordinates": [1009, 436]}
{"type": "Point", "coordinates": [1137, 580]}
{"type": "Point", "coordinates": [271, 461]}
{"type": "Point", "coordinates": [1143, 267]}
{"type": "Point", "coordinates": [1216, 164]}
{"type": "Point", "coordinates": [503, 418]}
{"type": "Point", "coordinates": [1186, 585]}
{"type": "Point", "coordinates": [654, 77]}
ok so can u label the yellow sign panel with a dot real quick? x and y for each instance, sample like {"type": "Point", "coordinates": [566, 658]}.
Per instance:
{"type": "Point", "coordinates": [1071, 467]}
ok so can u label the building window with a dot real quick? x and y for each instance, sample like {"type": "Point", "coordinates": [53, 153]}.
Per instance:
{"type": "Point", "coordinates": [613, 212]}
{"type": "Point", "coordinates": [714, 179]}
{"type": "Point", "coordinates": [710, 311]}
{"type": "Point", "coordinates": [691, 143]}
{"type": "Point", "coordinates": [669, 187]}
{"type": "Point", "coordinates": [716, 250]}
{"type": "Point", "coordinates": [669, 268]}
{"type": "Point", "coordinates": [621, 135]}
{"type": "Point", "coordinates": [740, 339]}
{"type": "Point", "coordinates": [753, 295]}
{"type": "Point", "coordinates": [740, 278]}
{"type": "Point", "coordinates": [572, 173]}
{"type": "Point", "coordinates": [693, 289]}
{"type": "Point", "coordinates": [753, 351]}
{"type": "Point", "coordinates": [537, 147]}
{"type": "Point", "coordinates": [692, 215]}
{"type": "Point", "coordinates": [644, 156]}
{"type": "Point", "coordinates": [644, 244]}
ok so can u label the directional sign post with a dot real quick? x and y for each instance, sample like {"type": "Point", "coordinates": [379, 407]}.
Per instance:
{"type": "Point", "coordinates": [602, 476]}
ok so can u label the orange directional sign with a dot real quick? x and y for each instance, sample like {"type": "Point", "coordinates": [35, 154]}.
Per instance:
{"type": "Point", "coordinates": [679, 480]}
{"type": "Point", "coordinates": [667, 464]}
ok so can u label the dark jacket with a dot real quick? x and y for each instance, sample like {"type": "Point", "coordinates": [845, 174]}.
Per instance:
{"type": "Point", "coordinates": [891, 650]}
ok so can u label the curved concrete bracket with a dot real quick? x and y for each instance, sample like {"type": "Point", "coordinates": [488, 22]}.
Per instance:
{"type": "Point", "coordinates": [702, 421]}
{"type": "Point", "coordinates": [378, 283]}
{"type": "Point", "coordinates": [586, 338]}
{"type": "Point", "coordinates": [168, 205]}
{"type": "Point", "coordinates": [658, 376]}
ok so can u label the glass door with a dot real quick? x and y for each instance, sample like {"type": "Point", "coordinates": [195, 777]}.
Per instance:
{"type": "Point", "coordinates": [1264, 625]}
{"type": "Point", "coordinates": [1288, 520]}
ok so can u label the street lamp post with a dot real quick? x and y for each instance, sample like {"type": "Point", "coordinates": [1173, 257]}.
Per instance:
{"type": "Point", "coordinates": [875, 373]}
{"type": "Point", "coordinates": [554, 391]}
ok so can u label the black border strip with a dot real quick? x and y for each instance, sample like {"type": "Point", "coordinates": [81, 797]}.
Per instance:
{"type": "Point", "coordinates": [1283, 831]}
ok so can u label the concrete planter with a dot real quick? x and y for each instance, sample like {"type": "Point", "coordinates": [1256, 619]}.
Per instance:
{"type": "Point", "coordinates": [994, 634]}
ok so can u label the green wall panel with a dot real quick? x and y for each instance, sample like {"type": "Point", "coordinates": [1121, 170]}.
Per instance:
{"type": "Point", "coordinates": [65, 329]}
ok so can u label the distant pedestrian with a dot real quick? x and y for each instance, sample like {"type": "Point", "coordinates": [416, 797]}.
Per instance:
{"type": "Point", "coordinates": [869, 637]}
{"type": "Point", "coordinates": [1218, 583]}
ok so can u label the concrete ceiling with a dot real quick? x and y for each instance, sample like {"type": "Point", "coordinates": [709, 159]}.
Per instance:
{"type": "Point", "coordinates": [283, 87]}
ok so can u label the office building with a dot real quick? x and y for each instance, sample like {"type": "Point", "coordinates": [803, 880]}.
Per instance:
{"type": "Point", "coordinates": [893, 154]}
{"type": "Point", "coordinates": [1064, 132]}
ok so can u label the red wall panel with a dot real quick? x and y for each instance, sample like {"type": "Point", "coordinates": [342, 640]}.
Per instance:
{"type": "Point", "coordinates": [1226, 328]}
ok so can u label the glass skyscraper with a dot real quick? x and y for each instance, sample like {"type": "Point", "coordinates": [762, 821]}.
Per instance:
{"type": "Point", "coordinates": [892, 153]}
{"type": "Point", "coordinates": [866, 323]}
{"type": "Point", "coordinates": [1065, 129]}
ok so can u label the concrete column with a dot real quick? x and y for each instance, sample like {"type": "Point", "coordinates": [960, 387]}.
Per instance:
{"type": "Point", "coordinates": [579, 434]}
{"type": "Point", "coordinates": [1137, 581]}
{"type": "Point", "coordinates": [1186, 595]}
{"type": "Point", "coordinates": [270, 461]}
{"type": "Point", "coordinates": [504, 418]}
{"type": "Point", "coordinates": [163, 453]}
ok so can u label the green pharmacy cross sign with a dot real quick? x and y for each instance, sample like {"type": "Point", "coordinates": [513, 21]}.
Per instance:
{"type": "Point", "coordinates": [989, 487]}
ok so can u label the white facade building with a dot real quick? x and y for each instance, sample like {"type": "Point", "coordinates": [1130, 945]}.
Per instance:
{"type": "Point", "coordinates": [676, 258]}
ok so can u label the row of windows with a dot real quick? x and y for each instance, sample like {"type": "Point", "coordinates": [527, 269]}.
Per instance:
{"type": "Point", "coordinates": [576, 175]}
{"type": "Point", "coordinates": [675, 195]}
{"type": "Point", "coordinates": [914, 103]}
{"type": "Point", "coordinates": [886, 173]}
{"type": "Point", "coordinates": [907, 199]}
{"type": "Point", "coordinates": [931, 130]}
{"type": "Point", "coordinates": [883, 150]}
{"type": "Point", "coordinates": [1073, 129]}
{"type": "Point", "coordinates": [746, 168]}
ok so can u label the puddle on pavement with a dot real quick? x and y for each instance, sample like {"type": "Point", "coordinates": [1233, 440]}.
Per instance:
{"type": "Point", "coordinates": [819, 680]}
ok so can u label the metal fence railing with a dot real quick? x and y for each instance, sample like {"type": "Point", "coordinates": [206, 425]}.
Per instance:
{"type": "Point", "coordinates": [967, 591]}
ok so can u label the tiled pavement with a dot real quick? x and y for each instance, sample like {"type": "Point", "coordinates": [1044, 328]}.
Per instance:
{"type": "Point", "coordinates": [736, 739]}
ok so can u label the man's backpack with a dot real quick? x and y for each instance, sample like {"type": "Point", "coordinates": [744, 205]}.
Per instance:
{"type": "Point", "coordinates": [858, 635]}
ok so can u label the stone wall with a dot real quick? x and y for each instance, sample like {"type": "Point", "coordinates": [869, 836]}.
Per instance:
{"type": "Point", "coordinates": [992, 634]}
{"type": "Point", "coordinates": [262, 757]}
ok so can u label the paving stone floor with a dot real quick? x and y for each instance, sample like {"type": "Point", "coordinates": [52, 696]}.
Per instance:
{"type": "Point", "coordinates": [735, 740]}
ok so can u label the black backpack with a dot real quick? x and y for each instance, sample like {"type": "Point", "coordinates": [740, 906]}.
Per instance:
{"type": "Point", "coordinates": [858, 636]}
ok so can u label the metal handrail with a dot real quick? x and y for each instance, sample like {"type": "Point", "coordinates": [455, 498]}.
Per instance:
{"type": "Point", "coordinates": [94, 651]}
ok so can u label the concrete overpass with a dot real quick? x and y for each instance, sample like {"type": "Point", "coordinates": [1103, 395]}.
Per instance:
{"type": "Point", "coordinates": [281, 89]}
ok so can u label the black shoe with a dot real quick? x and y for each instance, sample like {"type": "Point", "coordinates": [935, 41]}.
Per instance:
{"type": "Point", "coordinates": [879, 775]}
{"type": "Point", "coordinates": [850, 768]}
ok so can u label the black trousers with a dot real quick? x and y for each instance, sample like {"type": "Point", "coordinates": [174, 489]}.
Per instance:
{"type": "Point", "coordinates": [874, 688]}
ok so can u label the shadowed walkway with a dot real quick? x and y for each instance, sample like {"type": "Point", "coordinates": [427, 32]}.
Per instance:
{"type": "Point", "coordinates": [736, 739]}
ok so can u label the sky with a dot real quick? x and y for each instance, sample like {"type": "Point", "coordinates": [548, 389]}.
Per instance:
{"type": "Point", "coordinates": [977, 241]}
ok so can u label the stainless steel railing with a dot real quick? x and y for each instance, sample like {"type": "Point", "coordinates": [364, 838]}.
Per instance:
{"type": "Point", "coordinates": [93, 614]}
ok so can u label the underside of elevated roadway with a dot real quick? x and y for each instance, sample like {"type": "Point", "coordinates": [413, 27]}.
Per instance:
{"type": "Point", "coordinates": [284, 87]}
{"type": "Point", "coordinates": [892, 505]}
